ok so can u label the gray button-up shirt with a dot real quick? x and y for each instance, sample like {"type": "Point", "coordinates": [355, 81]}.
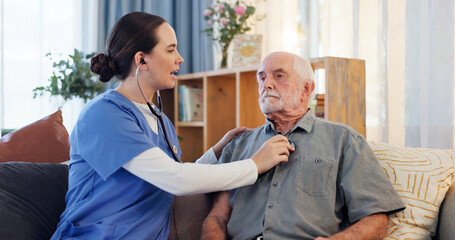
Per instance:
{"type": "Point", "coordinates": [332, 180]}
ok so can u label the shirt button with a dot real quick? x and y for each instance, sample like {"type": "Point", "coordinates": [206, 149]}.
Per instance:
{"type": "Point", "coordinates": [267, 230]}
{"type": "Point", "coordinates": [279, 165]}
{"type": "Point", "coordinates": [270, 206]}
{"type": "Point", "coordinates": [317, 160]}
{"type": "Point", "coordinates": [275, 184]}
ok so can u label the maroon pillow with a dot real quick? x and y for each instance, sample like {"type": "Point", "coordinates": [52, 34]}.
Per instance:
{"type": "Point", "coordinates": [44, 141]}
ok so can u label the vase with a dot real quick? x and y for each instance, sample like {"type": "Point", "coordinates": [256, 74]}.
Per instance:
{"type": "Point", "coordinates": [224, 54]}
{"type": "Point", "coordinates": [224, 57]}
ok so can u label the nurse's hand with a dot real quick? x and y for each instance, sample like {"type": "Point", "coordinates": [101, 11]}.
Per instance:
{"type": "Point", "coordinates": [272, 152]}
{"type": "Point", "coordinates": [218, 148]}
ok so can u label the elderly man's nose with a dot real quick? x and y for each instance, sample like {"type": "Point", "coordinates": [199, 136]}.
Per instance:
{"type": "Point", "coordinates": [268, 83]}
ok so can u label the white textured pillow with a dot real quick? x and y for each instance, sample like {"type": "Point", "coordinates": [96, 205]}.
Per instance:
{"type": "Point", "coordinates": [421, 177]}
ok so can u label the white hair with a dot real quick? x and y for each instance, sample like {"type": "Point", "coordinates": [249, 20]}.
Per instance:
{"type": "Point", "coordinates": [305, 73]}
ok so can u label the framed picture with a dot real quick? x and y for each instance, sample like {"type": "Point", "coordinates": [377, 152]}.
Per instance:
{"type": "Point", "coordinates": [245, 50]}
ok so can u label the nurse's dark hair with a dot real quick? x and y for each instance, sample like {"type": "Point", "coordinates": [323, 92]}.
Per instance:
{"type": "Point", "coordinates": [132, 33]}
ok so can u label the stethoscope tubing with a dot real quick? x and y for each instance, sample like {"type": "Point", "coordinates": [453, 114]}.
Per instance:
{"type": "Point", "coordinates": [159, 116]}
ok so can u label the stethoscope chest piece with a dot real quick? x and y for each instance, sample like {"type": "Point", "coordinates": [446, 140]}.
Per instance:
{"type": "Point", "coordinates": [291, 143]}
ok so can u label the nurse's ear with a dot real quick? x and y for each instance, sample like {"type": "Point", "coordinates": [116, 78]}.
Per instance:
{"type": "Point", "coordinates": [139, 60]}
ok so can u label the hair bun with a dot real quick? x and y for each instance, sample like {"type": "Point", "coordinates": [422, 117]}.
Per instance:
{"type": "Point", "coordinates": [102, 65]}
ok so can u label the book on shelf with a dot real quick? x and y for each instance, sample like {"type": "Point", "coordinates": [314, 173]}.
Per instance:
{"type": "Point", "coordinates": [320, 99]}
{"type": "Point", "coordinates": [319, 111]}
{"type": "Point", "coordinates": [191, 100]}
{"type": "Point", "coordinates": [319, 108]}
{"type": "Point", "coordinates": [181, 109]}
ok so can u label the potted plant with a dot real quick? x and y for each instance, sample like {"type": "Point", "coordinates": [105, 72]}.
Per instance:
{"type": "Point", "coordinates": [72, 78]}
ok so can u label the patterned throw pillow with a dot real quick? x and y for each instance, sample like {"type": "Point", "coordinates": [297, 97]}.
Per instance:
{"type": "Point", "coordinates": [421, 177]}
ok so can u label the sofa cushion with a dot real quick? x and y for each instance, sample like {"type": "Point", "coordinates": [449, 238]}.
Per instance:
{"type": "Point", "coordinates": [45, 140]}
{"type": "Point", "coordinates": [187, 216]}
{"type": "Point", "coordinates": [32, 197]}
{"type": "Point", "coordinates": [421, 177]}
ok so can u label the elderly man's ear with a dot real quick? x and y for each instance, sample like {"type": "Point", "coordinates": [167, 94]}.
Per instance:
{"type": "Point", "coordinates": [307, 89]}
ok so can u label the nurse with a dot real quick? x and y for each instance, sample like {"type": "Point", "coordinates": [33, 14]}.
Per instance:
{"type": "Point", "coordinates": [122, 177]}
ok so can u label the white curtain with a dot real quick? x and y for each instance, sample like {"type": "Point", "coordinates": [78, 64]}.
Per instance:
{"type": "Point", "coordinates": [31, 29]}
{"type": "Point", "coordinates": [408, 47]}
{"type": "Point", "coordinates": [279, 28]}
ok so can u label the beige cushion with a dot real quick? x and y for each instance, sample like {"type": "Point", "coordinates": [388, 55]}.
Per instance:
{"type": "Point", "coordinates": [44, 141]}
{"type": "Point", "coordinates": [421, 177]}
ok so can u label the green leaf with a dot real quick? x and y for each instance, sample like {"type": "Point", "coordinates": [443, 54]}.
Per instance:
{"type": "Point", "coordinates": [72, 78]}
{"type": "Point", "coordinates": [249, 10]}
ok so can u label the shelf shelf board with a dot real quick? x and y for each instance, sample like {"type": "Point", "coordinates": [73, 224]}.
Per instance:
{"type": "Point", "coordinates": [190, 124]}
{"type": "Point", "coordinates": [216, 73]}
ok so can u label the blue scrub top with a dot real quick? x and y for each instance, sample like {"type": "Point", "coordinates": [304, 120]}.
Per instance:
{"type": "Point", "coordinates": [104, 200]}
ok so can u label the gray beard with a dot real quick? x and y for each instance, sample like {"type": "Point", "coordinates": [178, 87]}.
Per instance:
{"type": "Point", "coordinates": [266, 108]}
{"type": "Point", "coordinates": [279, 106]}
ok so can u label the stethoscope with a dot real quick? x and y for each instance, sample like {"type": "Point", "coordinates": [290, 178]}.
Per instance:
{"type": "Point", "coordinates": [173, 148]}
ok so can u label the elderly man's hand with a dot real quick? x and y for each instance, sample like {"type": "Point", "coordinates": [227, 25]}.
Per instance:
{"type": "Point", "coordinates": [272, 152]}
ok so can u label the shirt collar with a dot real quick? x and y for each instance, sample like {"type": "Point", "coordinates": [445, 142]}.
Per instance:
{"type": "Point", "coordinates": [305, 123]}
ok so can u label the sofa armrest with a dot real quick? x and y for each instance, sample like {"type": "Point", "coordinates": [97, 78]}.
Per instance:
{"type": "Point", "coordinates": [187, 215]}
{"type": "Point", "coordinates": [447, 215]}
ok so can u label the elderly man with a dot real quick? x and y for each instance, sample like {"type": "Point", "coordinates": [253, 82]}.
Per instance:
{"type": "Point", "coordinates": [332, 186]}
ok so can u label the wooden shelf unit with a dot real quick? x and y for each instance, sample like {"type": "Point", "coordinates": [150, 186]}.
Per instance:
{"type": "Point", "coordinates": [344, 100]}
{"type": "Point", "coordinates": [231, 100]}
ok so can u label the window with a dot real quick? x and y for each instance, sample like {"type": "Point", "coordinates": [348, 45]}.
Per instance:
{"type": "Point", "coordinates": [29, 30]}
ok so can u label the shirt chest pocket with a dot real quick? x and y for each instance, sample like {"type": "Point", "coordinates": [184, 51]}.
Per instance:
{"type": "Point", "coordinates": [315, 176]}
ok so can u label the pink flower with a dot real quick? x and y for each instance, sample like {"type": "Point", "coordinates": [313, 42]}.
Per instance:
{"type": "Point", "coordinates": [240, 10]}
{"type": "Point", "coordinates": [224, 20]}
{"type": "Point", "coordinates": [207, 12]}
{"type": "Point", "coordinates": [218, 6]}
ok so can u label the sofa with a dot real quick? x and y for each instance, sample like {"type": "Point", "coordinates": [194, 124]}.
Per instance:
{"type": "Point", "coordinates": [33, 184]}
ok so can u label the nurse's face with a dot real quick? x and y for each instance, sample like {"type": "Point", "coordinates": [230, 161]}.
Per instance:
{"type": "Point", "coordinates": [164, 59]}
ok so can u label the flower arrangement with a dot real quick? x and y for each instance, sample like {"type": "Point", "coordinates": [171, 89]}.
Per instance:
{"type": "Point", "coordinates": [227, 21]}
